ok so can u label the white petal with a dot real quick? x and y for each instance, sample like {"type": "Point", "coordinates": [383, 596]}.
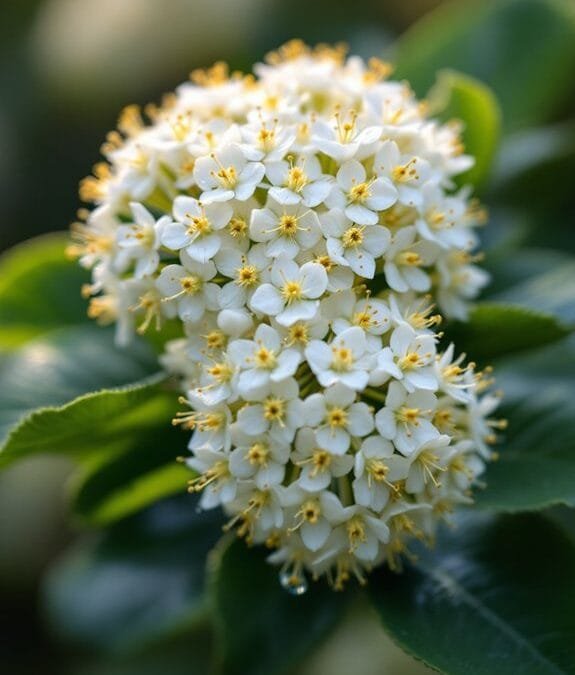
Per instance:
{"type": "Point", "coordinates": [267, 300]}
{"type": "Point", "coordinates": [314, 536]}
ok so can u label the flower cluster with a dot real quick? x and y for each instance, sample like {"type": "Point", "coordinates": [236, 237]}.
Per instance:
{"type": "Point", "coordinates": [296, 227]}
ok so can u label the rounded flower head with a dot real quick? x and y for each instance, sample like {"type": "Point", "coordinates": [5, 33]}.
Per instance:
{"type": "Point", "coordinates": [298, 228]}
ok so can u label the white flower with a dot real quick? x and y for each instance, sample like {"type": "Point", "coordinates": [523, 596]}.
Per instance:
{"type": "Point", "coordinates": [356, 246]}
{"type": "Point", "coordinates": [376, 469]}
{"type": "Point", "coordinates": [285, 229]}
{"type": "Point", "coordinates": [265, 142]}
{"type": "Point", "coordinates": [454, 380]}
{"type": "Point", "coordinates": [210, 424]}
{"type": "Point", "coordinates": [370, 314]}
{"type": "Point", "coordinates": [141, 239]}
{"type": "Point", "coordinates": [339, 278]}
{"type": "Point", "coordinates": [337, 417]}
{"type": "Point", "coordinates": [442, 219]}
{"type": "Point", "coordinates": [314, 514]}
{"type": "Point", "coordinates": [278, 411]}
{"type": "Point", "coordinates": [318, 464]}
{"type": "Point", "coordinates": [196, 227]}
{"type": "Point", "coordinates": [258, 458]}
{"type": "Point", "coordinates": [427, 464]}
{"type": "Point", "coordinates": [362, 534]}
{"type": "Point", "coordinates": [226, 174]}
{"type": "Point", "coordinates": [410, 359]}
{"type": "Point", "coordinates": [217, 484]}
{"type": "Point", "coordinates": [405, 418]}
{"type": "Point", "coordinates": [359, 198]}
{"type": "Point", "coordinates": [407, 172]}
{"type": "Point", "coordinates": [344, 139]}
{"type": "Point", "coordinates": [292, 294]}
{"type": "Point", "coordinates": [186, 289]}
{"type": "Point", "coordinates": [345, 360]}
{"type": "Point", "coordinates": [297, 182]}
{"type": "Point", "coordinates": [247, 270]}
{"type": "Point", "coordinates": [262, 360]}
{"type": "Point", "coordinates": [404, 259]}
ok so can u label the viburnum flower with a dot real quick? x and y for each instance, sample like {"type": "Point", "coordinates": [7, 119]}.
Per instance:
{"type": "Point", "coordinates": [298, 228]}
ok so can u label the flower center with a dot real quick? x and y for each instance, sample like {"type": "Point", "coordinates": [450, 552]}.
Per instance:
{"type": "Point", "coordinates": [199, 225]}
{"type": "Point", "coordinates": [355, 533]}
{"type": "Point", "coordinates": [221, 372]}
{"type": "Point", "coordinates": [321, 460]}
{"type": "Point", "coordinates": [190, 285]}
{"type": "Point", "coordinates": [405, 172]}
{"type": "Point", "coordinates": [310, 511]}
{"type": "Point", "coordinates": [228, 177]}
{"type": "Point", "coordinates": [288, 226]}
{"type": "Point", "coordinates": [215, 473]}
{"type": "Point", "coordinates": [377, 470]}
{"type": "Point", "coordinates": [258, 454]}
{"type": "Point", "coordinates": [410, 258]}
{"type": "Point", "coordinates": [265, 358]}
{"type": "Point", "coordinates": [247, 276]}
{"type": "Point", "coordinates": [342, 359]}
{"type": "Point", "coordinates": [412, 360]}
{"type": "Point", "coordinates": [298, 333]}
{"type": "Point", "coordinates": [359, 193]}
{"type": "Point", "coordinates": [215, 340]}
{"type": "Point", "coordinates": [337, 418]}
{"type": "Point", "coordinates": [238, 227]}
{"type": "Point", "coordinates": [296, 179]}
{"type": "Point", "coordinates": [274, 410]}
{"type": "Point", "coordinates": [353, 237]}
{"type": "Point", "coordinates": [292, 291]}
{"type": "Point", "coordinates": [428, 462]}
{"type": "Point", "coordinates": [325, 261]}
{"type": "Point", "coordinates": [364, 320]}
{"type": "Point", "coordinates": [408, 415]}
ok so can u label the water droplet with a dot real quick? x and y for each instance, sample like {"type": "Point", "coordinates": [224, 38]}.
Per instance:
{"type": "Point", "coordinates": [293, 582]}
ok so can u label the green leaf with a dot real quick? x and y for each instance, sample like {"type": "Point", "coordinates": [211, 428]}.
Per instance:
{"type": "Point", "coordinates": [495, 596]}
{"type": "Point", "coordinates": [494, 330]}
{"type": "Point", "coordinates": [262, 629]}
{"type": "Point", "coordinates": [141, 582]}
{"type": "Point", "coordinates": [39, 290]}
{"type": "Point", "coordinates": [523, 49]}
{"type": "Point", "coordinates": [40, 384]}
{"type": "Point", "coordinates": [460, 97]}
{"type": "Point", "coordinates": [552, 291]}
{"type": "Point", "coordinates": [143, 471]}
{"type": "Point", "coordinates": [536, 467]}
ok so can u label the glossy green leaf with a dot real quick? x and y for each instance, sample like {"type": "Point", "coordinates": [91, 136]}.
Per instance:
{"type": "Point", "coordinates": [139, 583]}
{"type": "Point", "coordinates": [460, 97]}
{"type": "Point", "coordinates": [495, 596]}
{"type": "Point", "coordinates": [262, 629]}
{"type": "Point", "coordinates": [39, 290]}
{"type": "Point", "coordinates": [40, 386]}
{"type": "Point", "coordinates": [494, 330]}
{"type": "Point", "coordinates": [143, 470]}
{"type": "Point", "coordinates": [523, 49]}
{"type": "Point", "coordinates": [536, 466]}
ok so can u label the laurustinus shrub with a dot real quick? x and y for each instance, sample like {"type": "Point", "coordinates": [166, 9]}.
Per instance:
{"type": "Point", "coordinates": [302, 227]}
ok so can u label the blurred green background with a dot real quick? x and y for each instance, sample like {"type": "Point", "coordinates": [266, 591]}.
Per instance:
{"type": "Point", "coordinates": [68, 66]}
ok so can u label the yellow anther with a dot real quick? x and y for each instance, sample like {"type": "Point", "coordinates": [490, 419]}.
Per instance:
{"type": "Point", "coordinates": [342, 359]}
{"type": "Point", "coordinates": [337, 418]}
{"type": "Point", "coordinates": [292, 291]}
{"type": "Point", "coordinates": [353, 237]}
{"type": "Point", "coordinates": [274, 409]}
{"type": "Point", "coordinates": [247, 276]}
{"type": "Point", "coordinates": [258, 454]}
